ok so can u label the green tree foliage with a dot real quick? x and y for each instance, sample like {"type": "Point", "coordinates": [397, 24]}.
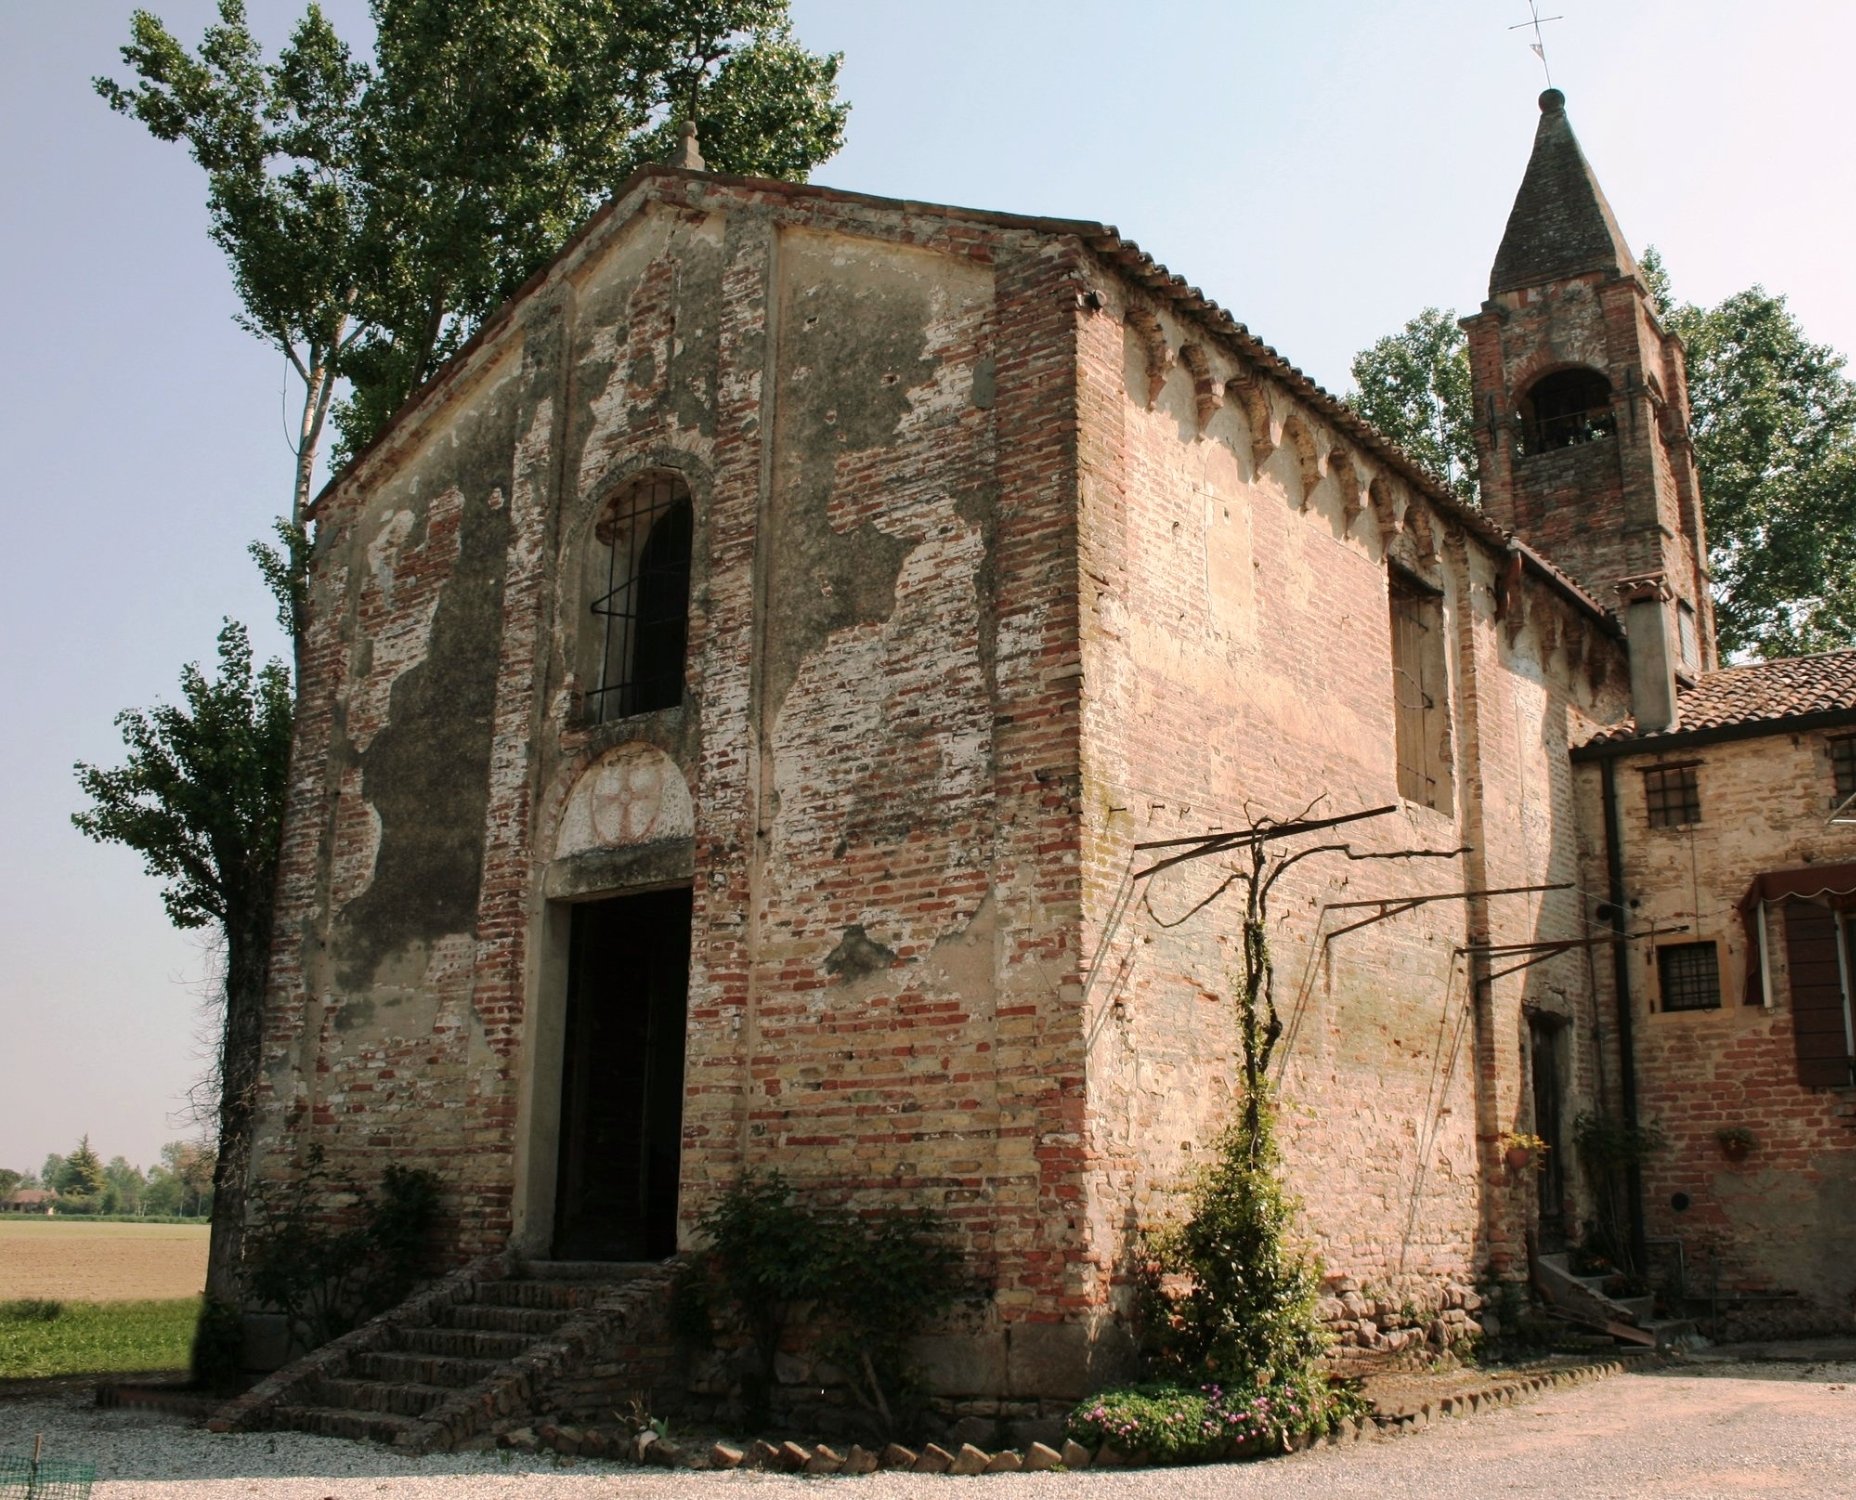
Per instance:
{"type": "Point", "coordinates": [180, 1184]}
{"type": "Point", "coordinates": [1414, 386]}
{"type": "Point", "coordinates": [10, 1181]}
{"type": "Point", "coordinates": [282, 145]}
{"type": "Point", "coordinates": [80, 1176]}
{"type": "Point", "coordinates": [1773, 417]}
{"type": "Point", "coordinates": [200, 797]}
{"type": "Point", "coordinates": [124, 1187]}
{"type": "Point", "coordinates": [374, 212]}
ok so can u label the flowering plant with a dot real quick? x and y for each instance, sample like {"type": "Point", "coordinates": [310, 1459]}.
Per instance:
{"type": "Point", "coordinates": [1179, 1424]}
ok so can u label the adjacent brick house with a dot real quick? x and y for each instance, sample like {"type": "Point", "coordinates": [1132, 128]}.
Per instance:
{"type": "Point", "coordinates": [1732, 832]}
{"type": "Point", "coordinates": [782, 624]}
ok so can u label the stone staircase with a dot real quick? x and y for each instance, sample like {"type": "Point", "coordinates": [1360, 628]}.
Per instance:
{"type": "Point", "coordinates": [1592, 1302]}
{"type": "Point", "coordinates": [494, 1343]}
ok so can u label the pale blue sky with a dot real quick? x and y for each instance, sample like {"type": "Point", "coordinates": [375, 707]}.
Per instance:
{"type": "Point", "coordinates": [1323, 169]}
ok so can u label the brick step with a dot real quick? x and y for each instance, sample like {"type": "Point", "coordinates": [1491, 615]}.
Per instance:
{"type": "Point", "coordinates": [328, 1421]}
{"type": "Point", "coordinates": [543, 1294]}
{"type": "Point", "coordinates": [390, 1398]}
{"type": "Point", "coordinates": [424, 1369]}
{"type": "Point", "coordinates": [462, 1343]}
{"type": "Point", "coordinates": [591, 1270]}
{"type": "Point", "coordinates": [534, 1322]}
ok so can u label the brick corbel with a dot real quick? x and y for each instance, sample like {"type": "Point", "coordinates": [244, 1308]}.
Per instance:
{"type": "Point", "coordinates": [1207, 393]}
{"type": "Point", "coordinates": [1338, 464]}
{"type": "Point", "coordinates": [1388, 502]}
{"type": "Point", "coordinates": [1295, 433]}
{"type": "Point", "coordinates": [1265, 426]}
{"type": "Point", "coordinates": [1144, 323]}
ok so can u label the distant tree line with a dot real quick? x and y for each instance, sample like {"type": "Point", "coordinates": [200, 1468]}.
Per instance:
{"type": "Point", "coordinates": [179, 1185]}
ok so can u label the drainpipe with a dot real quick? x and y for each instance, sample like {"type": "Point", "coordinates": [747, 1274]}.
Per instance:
{"type": "Point", "coordinates": [1620, 961]}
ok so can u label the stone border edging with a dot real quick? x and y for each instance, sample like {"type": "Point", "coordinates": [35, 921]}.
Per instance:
{"type": "Point", "coordinates": [793, 1457]}
{"type": "Point", "coordinates": [1506, 1390]}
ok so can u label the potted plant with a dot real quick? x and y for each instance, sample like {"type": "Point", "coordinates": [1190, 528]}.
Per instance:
{"type": "Point", "coordinates": [1735, 1141]}
{"type": "Point", "coordinates": [1520, 1149]}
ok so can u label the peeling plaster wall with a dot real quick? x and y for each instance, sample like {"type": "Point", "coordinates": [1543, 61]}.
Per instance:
{"type": "Point", "coordinates": [876, 748]}
{"type": "Point", "coordinates": [375, 1047]}
{"type": "Point", "coordinates": [1237, 663]}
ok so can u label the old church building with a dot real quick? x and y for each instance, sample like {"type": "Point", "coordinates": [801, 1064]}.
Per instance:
{"type": "Point", "coordinates": [741, 684]}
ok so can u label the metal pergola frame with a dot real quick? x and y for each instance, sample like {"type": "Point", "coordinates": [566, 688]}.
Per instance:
{"type": "Point", "coordinates": [1393, 906]}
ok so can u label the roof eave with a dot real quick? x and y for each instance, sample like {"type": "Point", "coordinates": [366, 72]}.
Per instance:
{"type": "Point", "coordinates": [1613, 748]}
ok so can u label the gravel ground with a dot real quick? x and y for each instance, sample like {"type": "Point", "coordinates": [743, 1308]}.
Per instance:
{"type": "Point", "coordinates": [1692, 1430]}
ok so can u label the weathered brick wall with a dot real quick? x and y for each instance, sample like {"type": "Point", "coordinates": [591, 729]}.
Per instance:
{"type": "Point", "coordinates": [874, 412]}
{"type": "Point", "coordinates": [1237, 663]}
{"type": "Point", "coordinates": [1780, 1221]}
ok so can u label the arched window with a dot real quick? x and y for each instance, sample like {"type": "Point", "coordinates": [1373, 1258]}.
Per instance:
{"type": "Point", "coordinates": [1566, 408]}
{"type": "Point", "coordinates": [643, 611]}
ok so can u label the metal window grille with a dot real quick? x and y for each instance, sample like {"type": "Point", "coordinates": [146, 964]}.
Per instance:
{"type": "Point", "coordinates": [1689, 975]}
{"type": "Point", "coordinates": [1415, 698]}
{"type": "Point", "coordinates": [644, 612]}
{"type": "Point", "coordinates": [1843, 769]}
{"type": "Point", "coordinates": [1672, 795]}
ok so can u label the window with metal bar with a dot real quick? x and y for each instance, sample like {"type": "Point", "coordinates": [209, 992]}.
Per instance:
{"type": "Point", "coordinates": [1420, 694]}
{"type": "Point", "coordinates": [1565, 409]}
{"type": "Point", "coordinates": [643, 613]}
{"type": "Point", "coordinates": [1689, 976]}
{"type": "Point", "coordinates": [1842, 769]}
{"type": "Point", "coordinates": [1672, 795]}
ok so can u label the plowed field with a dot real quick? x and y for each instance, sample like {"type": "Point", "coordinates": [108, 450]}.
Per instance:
{"type": "Point", "coordinates": [76, 1261]}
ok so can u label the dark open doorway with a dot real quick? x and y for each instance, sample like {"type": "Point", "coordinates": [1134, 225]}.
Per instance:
{"type": "Point", "coordinates": [622, 1078]}
{"type": "Point", "coordinates": [1546, 1040]}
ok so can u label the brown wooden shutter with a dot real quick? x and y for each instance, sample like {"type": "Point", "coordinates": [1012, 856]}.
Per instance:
{"type": "Point", "coordinates": [1817, 996]}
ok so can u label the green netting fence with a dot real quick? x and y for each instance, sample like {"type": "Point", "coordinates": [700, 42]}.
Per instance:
{"type": "Point", "coordinates": [36, 1477]}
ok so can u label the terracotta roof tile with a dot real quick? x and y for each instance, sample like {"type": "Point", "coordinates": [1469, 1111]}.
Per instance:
{"type": "Point", "coordinates": [1762, 692]}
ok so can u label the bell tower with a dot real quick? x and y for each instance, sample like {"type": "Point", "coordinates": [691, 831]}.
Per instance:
{"type": "Point", "coordinates": [1582, 409]}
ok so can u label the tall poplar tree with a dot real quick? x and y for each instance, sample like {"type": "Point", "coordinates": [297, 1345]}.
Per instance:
{"type": "Point", "coordinates": [373, 211]}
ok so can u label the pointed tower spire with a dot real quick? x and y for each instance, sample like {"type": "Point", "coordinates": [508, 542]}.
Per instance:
{"type": "Point", "coordinates": [1581, 400]}
{"type": "Point", "coordinates": [1560, 225]}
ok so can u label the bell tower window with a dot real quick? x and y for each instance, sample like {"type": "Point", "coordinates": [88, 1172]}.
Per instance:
{"type": "Point", "coordinates": [1565, 409]}
{"type": "Point", "coordinates": [642, 614]}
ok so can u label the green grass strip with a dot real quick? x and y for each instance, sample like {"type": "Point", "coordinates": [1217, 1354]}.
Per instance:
{"type": "Point", "coordinates": [40, 1338]}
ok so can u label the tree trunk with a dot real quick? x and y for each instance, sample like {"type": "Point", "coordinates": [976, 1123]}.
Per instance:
{"type": "Point", "coordinates": [318, 390]}
{"type": "Point", "coordinates": [240, 1062]}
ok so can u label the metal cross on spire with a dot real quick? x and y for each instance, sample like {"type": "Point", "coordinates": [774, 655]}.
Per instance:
{"type": "Point", "coordinates": [1538, 46]}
